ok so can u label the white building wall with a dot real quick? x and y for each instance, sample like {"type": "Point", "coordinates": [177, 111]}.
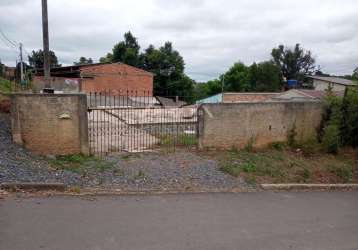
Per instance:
{"type": "Point", "coordinates": [323, 85]}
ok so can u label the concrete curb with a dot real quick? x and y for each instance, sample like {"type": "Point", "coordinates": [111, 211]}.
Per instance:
{"type": "Point", "coordinates": [34, 186]}
{"type": "Point", "coordinates": [297, 186]}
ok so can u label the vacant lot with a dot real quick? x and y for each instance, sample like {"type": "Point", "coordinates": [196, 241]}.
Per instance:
{"type": "Point", "coordinates": [286, 165]}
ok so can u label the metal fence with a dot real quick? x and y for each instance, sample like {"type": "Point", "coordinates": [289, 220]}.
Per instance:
{"type": "Point", "coordinates": [134, 121]}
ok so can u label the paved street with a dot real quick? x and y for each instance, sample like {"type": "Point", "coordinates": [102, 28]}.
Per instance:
{"type": "Point", "coordinates": [263, 220]}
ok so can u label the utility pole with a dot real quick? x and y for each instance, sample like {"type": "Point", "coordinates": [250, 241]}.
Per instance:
{"type": "Point", "coordinates": [222, 88]}
{"type": "Point", "coordinates": [46, 50]}
{"type": "Point", "coordinates": [21, 66]}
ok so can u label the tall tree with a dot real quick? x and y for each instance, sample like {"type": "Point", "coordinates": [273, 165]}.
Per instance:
{"type": "Point", "coordinates": [237, 78]}
{"type": "Point", "coordinates": [293, 63]}
{"type": "Point", "coordinates": [126, 51]}
{"type": "Point", "coordinates": [355, 75]}
{"type": "Point", "coordinates": [83, 61]}
{"type": "Point", "coordinates": [2, 68]}
{"type": "Point", "coordinates": [167, 65]}
{"type": "Point", "coordinates": [264, 76]}
{"type": "Point", "coordinates": [36, 59]}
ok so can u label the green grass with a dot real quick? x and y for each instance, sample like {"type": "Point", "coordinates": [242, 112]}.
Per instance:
{"type": "Point", "coordinates": [283, 165]}
{"type": "Point", "coordinates": [342, 170]}
{"type": "Point", "coordinates": [81, 164]}
{"type": "Point", "coordinates": [180, 140]}
{"type": "Point", "coordinates": [5, 85]}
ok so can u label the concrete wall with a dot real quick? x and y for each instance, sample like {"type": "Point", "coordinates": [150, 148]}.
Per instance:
{"type": "Point", "coordinates": [323, 85]}
{"type": "Point", "coordinates": [65, 84]}
{"type": "Point", "coordinates": [50, 124]}
{"type": "Point", "coordinates": [247, 97]}
{"type": "Point", "coordinates": [235, 124]}
{"type": "Point", "coordinates": [5, 102]}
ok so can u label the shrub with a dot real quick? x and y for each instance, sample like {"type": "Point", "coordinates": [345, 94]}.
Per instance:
{"type": "Point", "coordinates": [330, 140]}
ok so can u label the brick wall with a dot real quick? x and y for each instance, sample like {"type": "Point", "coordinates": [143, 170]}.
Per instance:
{"type": "Point", "coordinates": [50, 124]}
{"type": "Point", "coordinates": [235, 124]}
{"type": "Point", "coordinates": [116, 77]}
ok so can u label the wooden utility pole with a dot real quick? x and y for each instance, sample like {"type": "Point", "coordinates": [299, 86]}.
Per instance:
{"type": "Point", "coordinates": [21, 66]}
{"type": "Point", "coordinates": [46, 50]}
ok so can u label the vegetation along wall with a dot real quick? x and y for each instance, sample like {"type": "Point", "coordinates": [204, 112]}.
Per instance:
{"type": "Point", "coordinates": [225, 125]}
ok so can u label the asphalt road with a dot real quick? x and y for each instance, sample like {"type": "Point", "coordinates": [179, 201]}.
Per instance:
{"type": "Point", "coordinates": [263, 220]}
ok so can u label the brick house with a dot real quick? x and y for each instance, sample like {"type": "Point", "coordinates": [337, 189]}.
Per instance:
{"type": "Point", "coordinates": [115, 78]}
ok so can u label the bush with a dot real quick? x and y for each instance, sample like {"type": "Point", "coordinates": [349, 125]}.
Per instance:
{"type": "Point", "coordinates": [330, 140]}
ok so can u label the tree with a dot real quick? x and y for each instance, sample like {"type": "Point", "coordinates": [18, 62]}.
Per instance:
{"type": "Point", "coordinates": [355, 75]}
{"type": "Point", "coordinates": [106, 59]}
{"type": "Point", "coordinates": [237, 78]}
{"type": "Point", "coordinates": [264, 77]}
{"type": "Point", "coordinates": [2, 68]}
{"type": "Point", "coordinates": [167, 65]}
{"type": "Point", "coordinates": [126, 51]}
{"type": "Point", "coordinates": [293, 63]}
{"type": "Point", "coordinates": [36, 59]}
{"type": "Point", "coordinates": [83, 61]}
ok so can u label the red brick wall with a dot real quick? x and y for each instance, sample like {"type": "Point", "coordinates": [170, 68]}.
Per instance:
{"type": "Point", "coordinates": [117, 78]}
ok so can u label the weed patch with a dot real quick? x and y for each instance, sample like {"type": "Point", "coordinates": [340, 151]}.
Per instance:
{"type": "Point", "coordinates": [81, 164]}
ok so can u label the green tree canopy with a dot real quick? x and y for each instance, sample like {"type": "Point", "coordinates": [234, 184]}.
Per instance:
{"type": "Point", "coordinates": [126, 51]}
{"type": "Point", "coordinates": [36, 59]}
{"type": "Point", "coordinates": [237, 78]}
{"type": "Point", "coordinates": [355, 75]}
{"type": "Point", "coordinates": [259, 77]}
{"type": "Point", "coordinates": [83, 61]}
{"type": "Point", "coordinates": [264, 76]}
{"type": "Point", "coordinates": [167, 65]}
{"type": "Point", "coordinates": [293, 63]}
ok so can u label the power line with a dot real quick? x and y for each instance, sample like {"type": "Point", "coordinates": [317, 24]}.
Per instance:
{"type": "Point", "coordinates": [13, 43]}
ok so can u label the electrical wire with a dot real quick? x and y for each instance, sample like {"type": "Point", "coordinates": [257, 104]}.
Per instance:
{"type": "Point", "coordinates": [13, 43]}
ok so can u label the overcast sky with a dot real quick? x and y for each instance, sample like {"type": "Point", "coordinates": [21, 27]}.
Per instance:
{"type": "Point", "coordinates": [210, 34]}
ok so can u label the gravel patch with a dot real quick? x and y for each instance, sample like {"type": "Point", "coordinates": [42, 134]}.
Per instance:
{"type": "Point", "coordinates": [19, 165]}
{"type": "Point", "coordinates": [181, 170]}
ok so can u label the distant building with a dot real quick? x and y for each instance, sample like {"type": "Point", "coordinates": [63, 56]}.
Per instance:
{"type": "Point", "coordinates": [290, 95]}
{"type": "Point", "coordinates": [231, 97]}
{"type": "Point", "coordinates": [326, 82]}
{"type": "Point", "coordinates": [113, 78]}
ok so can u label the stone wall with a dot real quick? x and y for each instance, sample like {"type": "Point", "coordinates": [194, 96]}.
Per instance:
{"type": "Point", "coordinates": [53, 124]}
{"type": "Point", "coordinates": [236, 124]}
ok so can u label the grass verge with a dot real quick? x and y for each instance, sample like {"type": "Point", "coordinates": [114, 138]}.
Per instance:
{"type": "Point", "coordinates": [278, 164]}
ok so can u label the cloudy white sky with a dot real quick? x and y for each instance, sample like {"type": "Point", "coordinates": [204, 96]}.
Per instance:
{"type": "Point", "coordinates": [210, 34]}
